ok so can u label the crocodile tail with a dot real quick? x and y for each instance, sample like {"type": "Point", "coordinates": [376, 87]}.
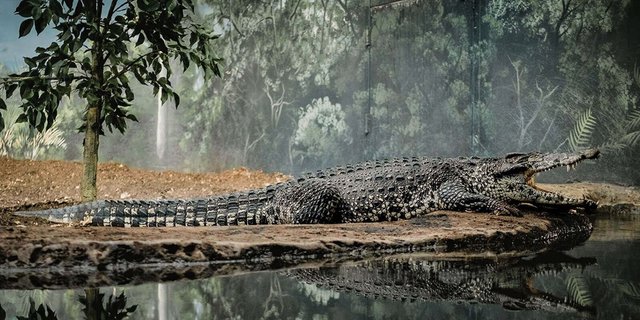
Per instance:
{"type": "Point", "coordinates": [68, 214]}
{"type": "Point", "coordinates": [233, 209]}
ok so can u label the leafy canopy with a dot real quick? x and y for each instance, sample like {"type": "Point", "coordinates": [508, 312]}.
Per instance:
{"type": "Point", "coordinates": [93, 55]}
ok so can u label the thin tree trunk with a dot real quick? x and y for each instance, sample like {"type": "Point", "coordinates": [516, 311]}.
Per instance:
{"type": "Point", "coordinates": [90, 155]}
{"type": "Point", "coordinates": [89, 189]}
{"type": "Point", "coordinates": [94, 303]}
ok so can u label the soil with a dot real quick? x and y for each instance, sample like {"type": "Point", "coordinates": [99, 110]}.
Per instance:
{"type": "Point", "coordinates": [31, 185]}
{"type": "Point", "coordinates": [74, 255]}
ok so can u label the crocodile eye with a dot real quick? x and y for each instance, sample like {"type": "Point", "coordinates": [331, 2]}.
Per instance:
{"type": "Point", "coordinates": [514, 155]}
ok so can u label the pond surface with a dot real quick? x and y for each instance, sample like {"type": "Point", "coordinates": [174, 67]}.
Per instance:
{"type": "Point", "coordinates": [598, 279]}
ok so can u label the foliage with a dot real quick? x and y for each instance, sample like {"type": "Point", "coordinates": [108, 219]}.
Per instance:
{"type": "Point", "coordinates": [423, 77]}
{"type": "Point", "coordinates": [42, 312]}
{"type": "Point", "coordinates": [317, 294]}
{"type": "Point", "coordinates": [581, 133]}
{"type": "Point", "coordinates": [91, 55]}
{"type": "Point", "coordinates": [115, 308]}
{"type": "Point", "coordinates": [579, 290]}
{"type": "Point", "coordinates": [322, 132]}
{"type": "Point", "coordinates": [20, 141]}
{"type": "Point", "coordinates": [421, 60]}
{"type": "Point", "coordinates": [279, 55]}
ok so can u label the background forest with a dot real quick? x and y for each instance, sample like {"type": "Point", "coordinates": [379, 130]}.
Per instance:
{"type": "Point", "coordinates": [309, 84]}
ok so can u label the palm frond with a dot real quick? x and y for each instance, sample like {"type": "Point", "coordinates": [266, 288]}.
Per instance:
{"type": "Point", "coordinates": [580, 136]}
{"type": "Point", "coordinates": [18, 140]}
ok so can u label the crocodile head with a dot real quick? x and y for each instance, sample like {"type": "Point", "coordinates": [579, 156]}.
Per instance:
{"type": "Point", "coordinates": [515, 178]}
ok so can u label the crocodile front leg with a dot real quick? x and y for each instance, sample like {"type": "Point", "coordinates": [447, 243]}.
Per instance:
{"type": "Point", "coordinates": [453, 196]}
{"type": "Point", "coordinates": [308, 202]}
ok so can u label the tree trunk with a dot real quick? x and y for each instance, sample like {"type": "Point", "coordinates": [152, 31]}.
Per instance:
{"type": "Point", "coordinates": [89, 189]}
{"type": "Point", "coordinates": [90, 154]}
{"type": "Point", "coordinates": [94, 303]}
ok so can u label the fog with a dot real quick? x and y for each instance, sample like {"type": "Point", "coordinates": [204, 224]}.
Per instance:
{"type": "Point", "coordinates": [312, 84]}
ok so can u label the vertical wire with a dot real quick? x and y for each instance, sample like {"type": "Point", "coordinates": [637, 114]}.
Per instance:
{"type": "Point", "coordinates": [367, 115]}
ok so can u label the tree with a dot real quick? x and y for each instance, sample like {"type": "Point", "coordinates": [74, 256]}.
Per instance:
{"type": "Point", "coordinates": [92, 57]}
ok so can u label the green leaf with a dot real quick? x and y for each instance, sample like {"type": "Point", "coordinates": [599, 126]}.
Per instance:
{"type": "Point", "coordinates": [184, 59]}
{"type": "Point", "coordinates": [21, 118]}
{"type": "Point", "coordinates": [140, 40]}
{"type": "Point", "coordinates": [157, 67]}
{"type": "Point", "coordinates": [24, 8]}
{"type": "Point", "coordinates": [148, 5]}
{"type": "Point", "coordinates": [176, 98]}
{"type": "Point", "coordinates": [56, 7]}
{"type": "Point", "coordinates": [25, 27]}
{"type": "Point", "coordinates": [136, 73]}
{"type": "Point", "coordinates": [40, 121]}
{"type": "Point", "coordinates": [1, 122]}
{"type": "Point", "coordinates": [30, 62]}
{"type": "Point", "coordinates": [10, 89]}
{"type": "Point", "coordinates": [164, 96]}
{"type": "Point", "coordinates": [131, 117]}
{"type": "Point", "coordinates": [41, 24]}
{"type": "Point", "coordinates": [26, 92]}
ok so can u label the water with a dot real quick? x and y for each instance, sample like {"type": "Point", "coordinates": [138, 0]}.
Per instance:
{"type": "Point", "coordinates": [598, 279]}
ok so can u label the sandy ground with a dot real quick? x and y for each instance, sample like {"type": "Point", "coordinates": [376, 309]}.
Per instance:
{"type": "Point", "coordinates": [79, 256]}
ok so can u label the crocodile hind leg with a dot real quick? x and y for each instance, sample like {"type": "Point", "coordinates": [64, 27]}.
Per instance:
{"type": "Point", "coordinates": [453, 196]}
{"type": "Point", "coordinates": [309, 201]}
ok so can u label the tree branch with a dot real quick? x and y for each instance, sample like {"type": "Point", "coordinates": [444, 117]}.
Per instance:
{"type": "Point", "coordinates": [27, 78]}
{"type": "Point", "coordinates": [295, 9]}
{"type": "Point", "coordinates": [112, 9]}
{"type": "Point", "coordinates": [130, 64]}
{"type": "Point", "coordinates": [233, 23]}
{"type": "Point", "coordinates": [122, 5]}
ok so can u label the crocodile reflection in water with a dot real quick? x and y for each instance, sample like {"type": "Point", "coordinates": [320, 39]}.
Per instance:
{"type": "Point", "coordinates": [508, 283]}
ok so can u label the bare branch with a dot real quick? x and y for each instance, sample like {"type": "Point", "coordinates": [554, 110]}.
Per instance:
{"type": "Point", "coordinates": [7, 80]}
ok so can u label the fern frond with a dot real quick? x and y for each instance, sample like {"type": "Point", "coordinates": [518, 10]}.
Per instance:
{"type": "Point", "coordinates": [630, 289]}
{"type": "Point", "coordinates": [636, 74]}
{"type": "Point", "coordinates": [633, 121]}
{"type": "Point", "coordinates": [578, 290]}
{"type": "Point", "coordinates": [580, 136]}
{"type": "Point", "coordinates": [613, 148]}
{"type": "Point", "coordinates": [631, 138]}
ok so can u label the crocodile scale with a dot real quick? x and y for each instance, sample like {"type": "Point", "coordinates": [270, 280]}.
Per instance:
{"type": "Point", "coordinates": [370, 191]}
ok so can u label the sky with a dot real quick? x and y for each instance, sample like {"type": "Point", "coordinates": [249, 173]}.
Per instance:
{"type": "Point", "coordinates": [12, 48]}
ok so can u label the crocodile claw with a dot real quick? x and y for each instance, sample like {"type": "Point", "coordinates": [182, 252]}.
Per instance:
{"type": "Point", "coordinates": [507, 211]}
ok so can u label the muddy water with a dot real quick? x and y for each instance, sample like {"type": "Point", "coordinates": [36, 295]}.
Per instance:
{"type": "Point", "coordinates": [597, 279]}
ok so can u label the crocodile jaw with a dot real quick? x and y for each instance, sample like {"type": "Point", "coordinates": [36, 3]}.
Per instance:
{"type": "Point", "coordinates": [518, 186]}
{"type": "Point", "coordinates": [551, 161]}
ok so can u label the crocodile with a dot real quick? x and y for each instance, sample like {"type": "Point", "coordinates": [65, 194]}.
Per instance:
{"type": "Point", "coordinates": [509, 282]}
{"type": "Point", "coordinates": [392, 189]}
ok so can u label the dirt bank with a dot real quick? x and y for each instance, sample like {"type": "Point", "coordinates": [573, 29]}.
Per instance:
{"type": "Point", "coordinates": [79, 256]}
